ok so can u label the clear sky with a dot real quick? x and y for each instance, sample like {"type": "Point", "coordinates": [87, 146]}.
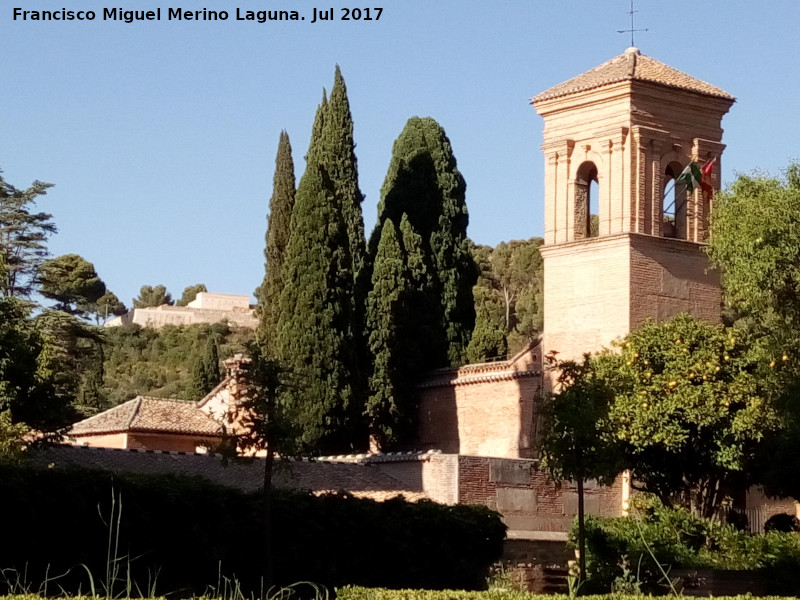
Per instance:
{"type": "Point", "coordinates": [160, 136]}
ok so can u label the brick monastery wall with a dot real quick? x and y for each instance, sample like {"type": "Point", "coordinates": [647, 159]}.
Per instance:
{"type": "Point", "coordinates": [485, 410]}
{"type": "Point", "coordinates": [516, 488]}
{"type": "Point", "coordinates": [528, 501]}
{"type": "Point", "coordinates": [436, 476]}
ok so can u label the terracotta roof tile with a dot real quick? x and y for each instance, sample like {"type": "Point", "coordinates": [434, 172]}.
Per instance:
{"type": "Point", "coordinates": [632, 66]}
{"type": "Point", "coordinates": [144, 413]}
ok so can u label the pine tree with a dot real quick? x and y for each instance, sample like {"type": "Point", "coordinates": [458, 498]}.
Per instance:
{"type": "Point", "coordinates": [424, 182]}
{"type": "Point", "coordinates": [387, 318]}
{"type": "Point", "coordinates": [278, 230]}
{"type": "Point", "coordinates": [318, 336]}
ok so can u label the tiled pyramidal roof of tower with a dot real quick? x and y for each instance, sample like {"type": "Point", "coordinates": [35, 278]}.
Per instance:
{"type": "Point", "coordinates": [632, 66]}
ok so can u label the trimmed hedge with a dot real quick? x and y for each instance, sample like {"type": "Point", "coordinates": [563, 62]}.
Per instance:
{"type": "Point", "coordinates": [360, 593]}
{"type": "Point", "coordinates": [190, 531]}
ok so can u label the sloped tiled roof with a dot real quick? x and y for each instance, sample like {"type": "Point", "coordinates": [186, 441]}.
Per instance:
{"type": "Point", "coordinates": [247, 475]}
{"type": "Point", "coordinates": [146, 414]}
{"type": "Point", "coordinates": [632, 66]}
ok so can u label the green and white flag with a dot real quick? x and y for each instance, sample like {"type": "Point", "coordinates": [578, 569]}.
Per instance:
{"type": "Point", "coordinates": [691, 177]}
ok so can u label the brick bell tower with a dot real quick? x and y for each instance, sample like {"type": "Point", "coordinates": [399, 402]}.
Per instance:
{"type": "Point", "coordinates": [615, 140]}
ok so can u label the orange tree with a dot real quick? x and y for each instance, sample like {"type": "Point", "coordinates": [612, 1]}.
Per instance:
{"type": "Point", "coordinates": [694, 407]}
{"type": "Point", "coordinates": [755, 243]}
{"type": "Point", "coordinates": [576, 444]}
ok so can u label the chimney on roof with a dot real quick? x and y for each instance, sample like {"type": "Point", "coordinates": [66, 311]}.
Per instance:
{"type": "Point", "coordinates": [237, 370]}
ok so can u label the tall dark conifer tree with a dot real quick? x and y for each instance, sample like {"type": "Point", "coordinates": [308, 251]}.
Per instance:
{"type": "Point", "coordinates": [387, 323]}
{"type": "Point", "coordinates": [425, 184]}
{"type": "Point", "coordinates": [319, 326]}
{"type": "Point", "coordinates": [278, 229]}
{"type": "Point", "coordinates": [340, 161]}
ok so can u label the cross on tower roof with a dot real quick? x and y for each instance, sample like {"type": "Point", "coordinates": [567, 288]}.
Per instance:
{"type": "Point", "coordinates": [633, 29]}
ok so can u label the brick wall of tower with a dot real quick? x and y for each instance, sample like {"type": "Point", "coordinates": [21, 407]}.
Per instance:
{"type": "Point", "coordinates": [586, 295]}
{"type": "Point", "coordinates": [671, 277]}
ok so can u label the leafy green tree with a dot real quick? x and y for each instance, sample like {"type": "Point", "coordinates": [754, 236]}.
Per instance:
{"type": "Point", "coordinates": [152, 296]}
{"type": "Point", "coordinates": [38, 376]}
{"type": "Point", "coordinates": [278, 232]}
{"type": "Point", "coordinates": [12, 438]}
{"type": "Point", "coordinates": [107, 305]}
{"type": "Point", "coordinates": [488, 340]}
{"type": "Point", "coordinates": [23, 237]}
{"type": "Point", "coordinates": [72, 282]}
{"type": "Point", "coordinates": [190, 293]}
{"type": "Point", "coordinates": [19, 351]}
{"type": "Point", "coordinates": [576, 442]}
{"type": "Point", "coordinates": [68, 348]}
{"type": "Point", "coordinates": [317, 336]}
{"type": "Point", "coordinates": [693, 405]}
{"type": "Point", "coordinates": [424, 183]}
{"type": "Point", "coordinates": [508, 296]}
{"type": "Point", "coordinates": [756, 245]}
{"type": "Point", "coordinates": [161, 362]}
{"type": "Point", "coordinates": [266, 425]}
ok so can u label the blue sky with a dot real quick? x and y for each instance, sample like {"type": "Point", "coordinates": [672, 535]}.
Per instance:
{"type": "Point", "coordinates": [160, 137]}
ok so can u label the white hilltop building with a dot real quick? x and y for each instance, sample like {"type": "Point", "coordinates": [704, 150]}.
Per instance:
{"type": "Point", "coordinates": [205, 308]}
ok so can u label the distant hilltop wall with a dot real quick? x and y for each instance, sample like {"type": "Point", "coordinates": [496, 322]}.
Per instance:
{"type": "Point", "coordinates": [205, 308]}
{"type": "Point", "coordinates": [210, 301]}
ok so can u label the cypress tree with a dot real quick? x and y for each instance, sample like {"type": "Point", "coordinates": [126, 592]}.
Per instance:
{"type": "Point", "coordinates": [426, 345]}
{"type": "Point", "coordinates": [387, 321]}
{"type": "Point", "coordinates": [337, 155]}
{"type": "Point", "coordinates": [424, 182]}
{"type": "Point", "coordinates": [340, 162]}
{"type": "Point", "coordinates": [278, 229]}
{"type": "Point", "coordinates": [205, 371]}
{"type": "Point", "coordinates": [317, 331]}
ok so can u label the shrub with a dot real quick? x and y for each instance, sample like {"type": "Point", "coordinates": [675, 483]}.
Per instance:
{"type": "Point", "coordinates": [189, 530]}
{"type": "Point", "coordinates": [656, 539]}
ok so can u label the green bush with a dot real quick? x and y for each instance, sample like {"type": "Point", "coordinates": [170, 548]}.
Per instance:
{"type": "Point", "coordinates": [656, 537]}
{"type": "Point", "coordinates": [188, 530]}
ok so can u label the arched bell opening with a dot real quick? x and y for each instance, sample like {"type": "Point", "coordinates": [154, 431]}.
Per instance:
{"type": "Point", "coordinates": [674, 204]}
{"type": "Point", "coordinates": [587, 202]}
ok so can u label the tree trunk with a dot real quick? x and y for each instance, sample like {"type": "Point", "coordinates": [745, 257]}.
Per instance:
{"type": "Point", "coordinates": [581, 534]}
{"type": "Point", "coordinates": [267, 511]}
